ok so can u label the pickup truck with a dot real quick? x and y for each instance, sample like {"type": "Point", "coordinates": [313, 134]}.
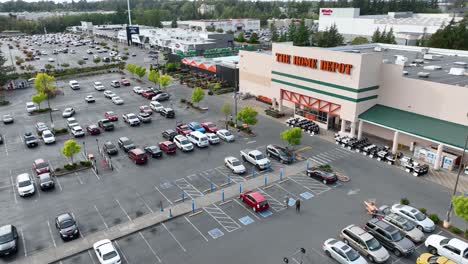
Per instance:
{"type": "Point", "coordinates": [256, 158]}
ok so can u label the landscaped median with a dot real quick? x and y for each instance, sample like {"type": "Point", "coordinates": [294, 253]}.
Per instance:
{"type": "Point", "coordinates": [121, 230]}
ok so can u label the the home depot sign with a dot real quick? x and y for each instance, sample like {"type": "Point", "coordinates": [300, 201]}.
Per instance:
{"type": "Point", "coordinates": [323, 65]}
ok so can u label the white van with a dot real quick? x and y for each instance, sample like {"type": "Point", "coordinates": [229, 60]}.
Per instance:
{"type": "Point", "coordinates": [198, 138]}
{"type": "Point", "coordinates": [30, 107]}
{"type": "Point", "coordinates": [74, 85]}
{"type": "Point", "coordinates": [25, 185]}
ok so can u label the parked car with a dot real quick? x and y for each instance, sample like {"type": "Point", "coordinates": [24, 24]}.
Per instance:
{"type": "Point", "coordinates": [156, 106]}
{"type": "Point", "coordinates": [115, 84]}
{"type": "Point", "coordinates": [161, 97]}
{"type": "Point", "coordinates": [148, 94]}
{"type": "Point", "coordinates": [364, 243]}
{"type": "Point", "coordinates": [167, 112]}
{"type": "Point", "coordinates": [46, 182]}
{"type": "Point", "coordinates": [199, 139]}
{"type": "Point", "coordinates": [326, 177]}
{"type": "Point", "coordinates": [234, 165]}
{"type": "Point", "coordinates": [106, 124]}
{"type": "Point", "coordinates": [138, 156]}
{"type": "Point", "coordinates": [168, 147]}
{"type": "Point", "coordinates": [144, 117]}
{"type": "Point", "coordinates": [213, 138]}
{"type": "Point", "coordinates": [125, 82]}
{"type": "Point", "coordinates": [30, 140]}
{"type": "Point", "coordinates": [183, 143]}
{"type": "Point", "coordinates": [427, 258]}
{"type": "Point", "coordinates": [67, 226]}
{"type": "Point", "coordinates": [30, 107]}
{"type": "Point", "coordinates": [25, 185]}
{"type": "Point", "coordinates": [209, 127]}
{"type": "Point", "coordinates": [183, 129]}
{"type": "Point", "coordinates": [8, 119]}
{"type": "Point", "coordinates": [77, 131]}
{"type": "Point", "coordinates": [126, 144]}
{"type": "Point", "coordinates": [195, 126]}
{"type": "Point", "coordinates": [90, 98]}
{"type": "Point", "coordinates": [390, 237]}
{"type": "Point", "coordinates": [405, 226]}
{"type": "Point", "coordinates": [341, 252]}
{"type": "Point", "coordinates": [169, 134]}
{"type": "Point", "coordinates": [225, 135]}
{"type": "Point", "coordinates": [109, 94]}
{"type": "Point", "coordinates": [98, 86]}
{"type": "Point", "coordinates": [8, 240]}
{"type": "Point", "coordinates": [40, 127]}
{"type": "Point", "coordinates": [254, 200]}
{"type": "Point", "coordinates": [111, 116]}
{"type": "Point", "coordinates": [74, 85]}
{"type": "Point", "coordinates": [110, 148]}
{"type": "Point", "coordinates": [153, 151]}
{"type": "Point", "coordinates": [48, 137]}
{"type": "Point", "coordinates": [419, 219]}
{"type": "Point", "coordinates": [131, 119]}
{"type": "Point", "coordinates": [93, 129]}
{"type": "Point", "coordinates": [71, 122]}
{"type": "Point", "coordinates": [146, 109]}
{"type": "Point", "coordinates": [256, 158]}
{"type": "Point", "coordinates": [279, 153]}
{"type": "Point", "coordinates": [106, 252]}
{"type": "Point", "coordinates": [41, 166]}
{"type": "Point", "coordinates": [451, 248]}
{"type": "Point", "coordinates": [137, 89]}
{"type": "Point", "coordinates": [68, 112]}
{"type": "Point", "coordinates": [117, 100]}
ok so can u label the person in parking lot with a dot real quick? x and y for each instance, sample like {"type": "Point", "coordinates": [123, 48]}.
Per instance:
{"type": "Point", "coordinates": [298, 206]}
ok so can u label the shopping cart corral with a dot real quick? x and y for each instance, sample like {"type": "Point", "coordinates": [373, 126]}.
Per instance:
{"type": "Point", "coordinates": [305, 124]}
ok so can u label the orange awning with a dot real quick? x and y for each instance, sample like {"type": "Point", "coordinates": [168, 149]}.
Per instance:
{"type": "Point", "coordinates": [212, 69]}
{"type": "Point", "coordinates": [202, 66]}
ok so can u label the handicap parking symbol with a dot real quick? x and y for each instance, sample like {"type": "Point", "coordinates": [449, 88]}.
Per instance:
{"type": "Point", "coordinates": [215, 233]}
{"type": "Point", "coordinates": [291, 202]}
{"type": "Point", "coordinates": [265, 213]}
{"type": "Point", "coordinates": [246, 220]}
{"type": "Point", "coordinates": [306, 195]}
{"type": "Point", "coordinates": [337, 184]}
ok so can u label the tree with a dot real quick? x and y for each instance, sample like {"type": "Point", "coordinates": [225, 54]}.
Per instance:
{"type": "Point", "coordinates": [4, 70]}
{"type": "Point", "coordinates": [377, 36]}
{"type": "Point", "coordinates": [153, 76]}
{"type": "Point", "coordinates": [302, 37]}
{"type": "Point", "coordinates": [38, 98]}
{"type": "Point", "coordinates": [460, 206]}
{"type": "Point", "coordinates": [329, 38]}
{"type": "Point", "coordinates": [292, 136]}
{"type": "Point", "coordinates": [140, 71]}
{"type": "Point", "coordinates": [70, 148]}
{"type": "Point", "coordinates": [131, 68]}
{"type": "Point", "coordinates": [197, 95]}
{"type": "Point", "coordinates": [240, 37]}
{"type": "Point", "coordinates": [48, 67]}
{"type": "Point", "coordinates": [452, 36]}
{"type": "Point", "coordinates": [247, 115]}
{"type": "Point", "coordinates": [164, 80]}
{"type": "Point", "coordinates": [253, 38]}
{"type": "Point", "coordinates": [96, 60]}
{"type": "Point", "coordinates": [359, 41]}
{"type": "Point", "coordinates": [291, 31]}
{"type": "Point", "coordinates": [274, 33]}
{"type": "Point", "coordinates": [81, 62]}
{"type": "Point", "coordinates": [174, 23]}
{"type": "Point", "coordinates": [219, 30]}
{"type": "Point", "coordinates": [44, 84]}
{"type": "Point", "coordinates": [226, 110]}
{"type": "Point", "coordinates": [390, 37]}
{"type": "Point", "coordinates": [65, 65]}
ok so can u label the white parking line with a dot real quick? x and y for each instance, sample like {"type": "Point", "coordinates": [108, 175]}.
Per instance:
{"type": "Point", "coordinates": [290, 193]}
{"type": "Point", "coordinates": [156, 187]}
{"type": "Point", "coordinates": [125, 212]}
{"type": "Point", "coordinates": [250, 212]}
{"type": "Point", "coordinates": [201, 234]}
{"type": "Point", "coordinates": [24, 243]}
{"type": "Point", "coordinates": [121, 252]}
{"type": "Point", "coordinates": [76, 222]}
{"type": "Point", "coordinates": [91, 257]}
{"type": "Point", "coordinates": [50, 232]}
{"type": "Point", "coordinates": [79, 178]}
{"type": "Point", "coordinates": [172, 235]}
{"type": "Point", "coordinates": [144, 202]}
{"type": "Point", "coordinates": [5, 144]}
{"type": "Point", "coordinates": [210, 181]}
{"type": "Point", "coordinates": [152, 250]}
{"type": "Point", "coordinates": [307, 187]}
{"type": "Point", "coordinates": [13, 186]}
{"type": "Point", "coordinates": [58, 182]}
{"type": "Point", "coordinates": [95, 174]}
{"type": "Point", "coordinates": [36, 185]}
{"type": "Point", "coordinates": [100, 215]}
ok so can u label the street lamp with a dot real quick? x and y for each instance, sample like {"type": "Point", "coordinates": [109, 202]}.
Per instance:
{"type": "Point", "coordinates": [84, 150]}
{"type": "Point", "coordinates": [449, 212]}
{"type": "Point", "coordinates": [235, 93]}
{"type": "Point", "coordinates": [97, 143]}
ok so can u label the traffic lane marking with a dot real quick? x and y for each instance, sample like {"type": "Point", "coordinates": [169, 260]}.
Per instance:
{"type": "Point", "coordinates": [187, 188]}
{"type": "Point", "coordinates": [14, 188]}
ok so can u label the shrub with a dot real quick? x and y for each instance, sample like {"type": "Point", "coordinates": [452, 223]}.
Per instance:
{"type": "Point", "coordinates": [455, 230]}
{"type": "Point", "coordinates": [435, 218]}
{"type": "Point", "coordinates": [86, 163]}
{"type": "Point", "coordinates": [182, 100]}
{"type": "Point", "coordinates": [69, 166]}
{"type": "Point", "coordinates": [58, 169]}
{"type": "Point", "coordinates": [466, 233]}
{"type": "Point", "coordinates": [4, 102]}
{"type": "Point", "coordinates": [210, 92]}
{"type": "Point", "coordinates": [326, 167]}
{"type": "Point", "coordinates": [423, 210]}
{"type": "Point", "coordinates": [404, 201]}
{"type": "Point", "coordinates": [60, 130]}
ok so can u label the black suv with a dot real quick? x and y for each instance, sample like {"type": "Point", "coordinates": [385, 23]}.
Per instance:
{"type": "Point", "coordinates": [110, 148]}
{"type": "Point", "coordinates": [67, 227]}
{"type": "Point", "coordinates": [169, 134]}
{"type": "Point", "coordinates": [30, 140]}
{"type": "Point", "coordinates": [8, 240]}
{"type": "Point", "coordinates": [167, 113]}
{"type": "Point", "coordinates": [126, 144]}
{"type": "Point", "coordinates": [390, 237]}
{"type": "Point", "coordinates": [153, 151]}
{"type": "Point", "coordinates": [279, 153]}
{"type": "Point", "coordinates": [106, 124]}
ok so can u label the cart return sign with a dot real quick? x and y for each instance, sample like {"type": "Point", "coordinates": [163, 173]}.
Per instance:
{"type": "Point", "coordinates": [324, 65]}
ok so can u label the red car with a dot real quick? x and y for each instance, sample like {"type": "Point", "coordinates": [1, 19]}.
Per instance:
{"type": "Point", "coordinates": [146, 109]}
{"type": "Point", "coordinates": [209, 127]}
{"type": "Point", "coordinates": [168, 147]}
{"type": "Point", "coordinates": [149, 94]}
{"type": "Point", "coordinates": [111, 116]}
{"type": "Point", "coordinates": [254, 200]}
{"type": "Point", "coordinates": [138, 156]}
{"type": "Point", "coordinates": [125, 82]}
{"type": "Point", "coordinates": [183, 129]}
{"type": "Point", "coordinates": [41, 166]}
{"type": "Point", "coordinates": [93, 130]}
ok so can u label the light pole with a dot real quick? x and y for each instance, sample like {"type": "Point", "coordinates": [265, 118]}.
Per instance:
{"type": "Point", "coordinates": [235, 93]}
{"type": "Point", "coordinates": [449, 212]}
{"type": "Point", "coordinates": [97, 143]}
{"type": "Point", "coordinates": [129, 15]}
{"type": "Point", "coordinates": [84, 150]}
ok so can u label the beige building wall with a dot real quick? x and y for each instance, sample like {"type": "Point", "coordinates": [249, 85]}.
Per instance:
{"type": "Point", "coordinates": [255, 73]}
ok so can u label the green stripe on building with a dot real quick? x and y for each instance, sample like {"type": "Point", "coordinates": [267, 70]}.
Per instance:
{"type": "Point", "coordinates": [325, 83]}
{"type": "Point", "coordinates": [355, 100]}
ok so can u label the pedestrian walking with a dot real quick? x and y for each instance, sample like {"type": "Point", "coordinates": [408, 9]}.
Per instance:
{"type": "Point", "coordinates": [298, 206]}
{"type": "Point", "coordinates": [286, 201]}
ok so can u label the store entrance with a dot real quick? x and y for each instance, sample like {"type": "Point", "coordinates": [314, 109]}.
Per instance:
{"type": "Point", "coordinates": [334, 123]}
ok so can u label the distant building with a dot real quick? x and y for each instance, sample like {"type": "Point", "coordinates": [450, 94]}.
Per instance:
{"type": "Point", "coordinates": [206, 9]}
{"type": "Point", "coordinates": [242, 24]}
{"type": "Point", "coordinates": [39, 15]}
{"type": "Point", "coordinates": [407, 26]}
{"type": "Point", "coordinates": [285, 23]}
{"type": "Point", "coordinates": [11, 33]}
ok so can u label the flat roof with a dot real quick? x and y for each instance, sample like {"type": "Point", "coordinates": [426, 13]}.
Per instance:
{"type": "Point", "coordinates": [433, 129]}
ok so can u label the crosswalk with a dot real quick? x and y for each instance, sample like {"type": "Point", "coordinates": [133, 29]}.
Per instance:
{"type": "Point", "coordinates": [329, 156]}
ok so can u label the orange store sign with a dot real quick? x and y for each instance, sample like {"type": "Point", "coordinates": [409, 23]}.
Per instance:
{"type": "Point", "coordinates": [323, 65]}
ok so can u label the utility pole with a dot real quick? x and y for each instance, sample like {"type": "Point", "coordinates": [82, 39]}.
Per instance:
{"type": "Point", "coordinates": [235, 93]}
{"type": "Point", "coordinates": [129, 15]}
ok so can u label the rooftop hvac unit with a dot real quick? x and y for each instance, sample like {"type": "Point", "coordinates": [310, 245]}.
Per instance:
{"type": "Point", "coordinates": [432, 67]}
{"type": "Point", "coordinates": [405, 72]}
{"type": "Point", "coordinates": [423, 74]}
{"type": "Point", "coordinates": [378, 49]}
{"type": "Point", "coordinates": [419, 61]}
{"type": "Point", "coordinates": [457, 71]}
{"type": "Point", "coordinates": [460, 63]}
{"type": "Point", "coordinates": [401, 60]}
{"type": "Point", "coordinates": [428, 57]}
{"type": "Point", "coordinates": [386, 61]}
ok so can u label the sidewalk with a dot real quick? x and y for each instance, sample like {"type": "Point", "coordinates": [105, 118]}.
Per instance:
{"type": "Point", "coordinates": [118, 231]}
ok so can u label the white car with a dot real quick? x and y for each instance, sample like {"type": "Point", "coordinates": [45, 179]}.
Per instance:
{"type": "Point", "coordinates": [30, 107]}
{"type": "Point", "coordinates": [51, 59]}
{"type": "Point", "coordinates": [234, 165]}
{"type": "Point", "coordinates": [77, 131]}
{"type": "Point", "coordinates": [138, 89]}
{"type": "Point", "coordinates": [131, 119]}
{"type": "Point", "coordinates": [106, 252]}
{"type": "Point", "coordinates": [90, 98]}
{"type": "Point", "coordinates": [25, 185]}
{"type": "Point", "coordinates": [109, 94]}
{"type": "Point", "coordinates": [68, 112]}
{"type": "Point", "coordinates": [72, 51]}
{"type": "Point", "coordinates": [183, 143]}
{"type": "Point", "coordinates": [74, 85]}
{"type": "Point", "coordinates": [213, 138]}
{"type": "Point", "coordinates": [156, 106]}
{"type": "Point", "coordinates": [341, 252]}
{"type": "Point", "coordinates": [71, 122]}
{"type": "Point", "coordinates": [420, 220]}
{"type": "Point", "coordinates": [117, 100]}
{"type": "Point", "coordinates": [225, 135]}
{"type": "Point", "coordinates": [98, 86]}
{"type": "Point", "coordinates": [48, 137]}
{"type": "Point", "coordinates": [451, 248]}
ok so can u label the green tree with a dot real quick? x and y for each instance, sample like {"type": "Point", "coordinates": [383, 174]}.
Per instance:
{"type": "Point", "coordinates": [390, 37]}
{"type": "Point", "coordinates": [292, 136]}
{"type": "Point", "coordinates": [291, 31]}
{"type": "Point", "coordinates": [253, 38]}
{"type": "Point", "coordinates": [452, 36]}
{"type": "Point", "coordinates": [247, 115]}
{"type": "Point", "coordinates": [274, 33]}
{"type": "Point", "coordinates": [165, 80]}
{"type": "Point", "coordinates": [460, 206]}
{"type": "Point", "coordinates": [219, 30]}
{"type": "Point", "coordinates": [153, 76]}
{"type": "Point", "coordinates": [329, 38]}
{"type": "Point", "coordinates": [81, 62]}
{"type": "Point", "coordinates": [210, 28]}
{"type": "Point", "coordinates": [302, 37]}
{"type": "Point", "coordinates": [174, 23]}
{"type": "Point", "coordinates": [64, 65]}
{"type": "Point", "coordinates": [44, 84]}
{"type": "Point", "coordinates": [197, 95]}
{"type": "Point", "coordinates": [226, 110]}
{"type": "Point", "coordinates": [48, 67]}
{"type": "Point", "coordinates": [240, 37]}
{"type": "Point", "coordinates": [96, 60]}
{"type": "Point", "coordinates": [131, 68]}
{"type": "Point", "coordinates": [376, 36]}
{"type": "Point", "coordinates": [140, 71]}
{"type": "Point", "coordinates": [38, 98]}
{"type": "Point", "coordinates": [4, 70]}
{"type": "Point", "coordinates": [70, 148]}
{"type": "Point", "coordinates": [359, 41]}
